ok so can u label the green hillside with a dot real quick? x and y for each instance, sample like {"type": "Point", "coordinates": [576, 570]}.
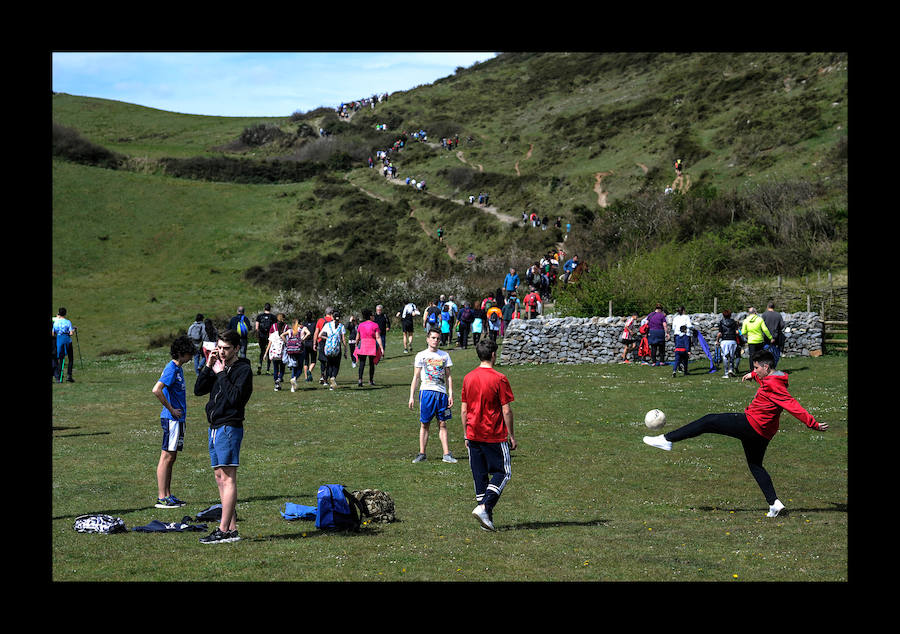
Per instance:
{"type": "Point", "coordinates": [158, 216]}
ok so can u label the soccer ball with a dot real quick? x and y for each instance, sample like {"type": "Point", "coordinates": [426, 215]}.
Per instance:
{"type": "Point", "coordinates": [655, 419]}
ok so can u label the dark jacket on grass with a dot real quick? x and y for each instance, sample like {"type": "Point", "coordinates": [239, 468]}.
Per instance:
{"type": "Point", "coordinates": [229, 391]}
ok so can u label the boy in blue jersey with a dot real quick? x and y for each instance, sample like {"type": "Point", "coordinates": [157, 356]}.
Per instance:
{"type": "Point", "coordinates": [432, 368]}
{"type": "Point", "coordinates": [170, 391]}
{"type": "Point", "coordinates": [63, 331]}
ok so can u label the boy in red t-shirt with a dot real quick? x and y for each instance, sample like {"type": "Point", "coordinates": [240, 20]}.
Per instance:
{"type": "Point", "coordinates": [488, 427]}
{"type": "Point", "coordinates": [754, 427]}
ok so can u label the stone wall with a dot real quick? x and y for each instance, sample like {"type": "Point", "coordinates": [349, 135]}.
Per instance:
{"type": "Point", "coordinates": [596, 339]}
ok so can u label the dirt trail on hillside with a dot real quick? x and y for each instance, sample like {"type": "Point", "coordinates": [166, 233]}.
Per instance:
{"type": "Point", "coordinates": [598, 188]}
{"type": "Point", "coordinates": [460, 156]}
{"type": "Point", "coordinates": [527, 156]}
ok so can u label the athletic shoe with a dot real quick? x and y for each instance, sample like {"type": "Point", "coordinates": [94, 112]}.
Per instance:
{"type": "Point", "coordinates": [420, 457]}
{"type": "Point", "coordinates": [178, 502]}
{"type": "Point", "coordinates": [449, 458]}
{"type": "Point", "coordinates": [332, 383]}
{"type": "Point", "coordinates": [673, 374]}
{"type": "Point", "coordinates": [775, 509]}
{"type": "Point", "coordinates": [293, 384]}
{"type": "Point", "coordinates": [483, 518]}
{"type": "Point", "coordinates": [359, 383]}
{"type": "Point", "coordinates": [659, 442]}
{"type": "Point", "coordinates": [218, 537]}
{"type": "Point", "coordinates": [167, 503]}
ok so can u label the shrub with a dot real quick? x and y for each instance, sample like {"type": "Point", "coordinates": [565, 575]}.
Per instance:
{"type": "Point", "coordinates": [67, 143]}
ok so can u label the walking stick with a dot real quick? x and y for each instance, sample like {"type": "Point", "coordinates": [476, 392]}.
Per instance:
{"type": "Point", "coordinates": [62, 369]}
{"type": "Point", "coordinates": [80, 360]}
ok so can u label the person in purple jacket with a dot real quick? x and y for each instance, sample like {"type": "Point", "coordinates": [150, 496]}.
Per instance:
{"type": "Point", "coordinates": [657, 335]}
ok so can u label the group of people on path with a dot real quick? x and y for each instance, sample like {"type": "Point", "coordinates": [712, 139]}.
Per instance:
{"type": "Point", "coordinates": [644, 341]}
{"type": "Point", "coordinates": [302, 344]}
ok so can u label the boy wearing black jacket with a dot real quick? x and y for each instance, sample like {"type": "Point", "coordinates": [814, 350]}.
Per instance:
{"type": "Point", "coordinates": [228, 379]}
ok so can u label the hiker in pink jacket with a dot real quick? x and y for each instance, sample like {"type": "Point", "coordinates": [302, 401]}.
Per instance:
{"type": "Point", "coordinates": [368, 336]}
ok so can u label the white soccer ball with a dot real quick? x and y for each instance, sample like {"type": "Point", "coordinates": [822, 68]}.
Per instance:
{"type": "Point", "coordinates": [655, 419]}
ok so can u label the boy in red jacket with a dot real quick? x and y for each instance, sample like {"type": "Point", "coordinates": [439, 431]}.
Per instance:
{"type": "Point", "coordinates": [755, 427]}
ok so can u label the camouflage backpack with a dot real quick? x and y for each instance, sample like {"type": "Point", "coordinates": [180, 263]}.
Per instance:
{"type": "Point", "coordinates": [378, 505]}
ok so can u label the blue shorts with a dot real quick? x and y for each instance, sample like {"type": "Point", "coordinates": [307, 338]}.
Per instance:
{"type": "Point", "coordinates": [173, 434]}
{"type": "Point", "coordinates": [433, 404]}
{"type": "Point", "coordinates": [225, 446]}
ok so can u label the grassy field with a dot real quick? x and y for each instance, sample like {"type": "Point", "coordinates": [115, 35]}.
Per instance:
{"type": "Point", "coordinates": [588, 501]}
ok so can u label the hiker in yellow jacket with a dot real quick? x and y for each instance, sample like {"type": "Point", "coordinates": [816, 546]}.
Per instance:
{"type": "Point", "coordinates": [753, 329]}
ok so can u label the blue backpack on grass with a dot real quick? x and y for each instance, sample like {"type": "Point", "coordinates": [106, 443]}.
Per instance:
{"type": "Point", "coordinates": [336, 509]}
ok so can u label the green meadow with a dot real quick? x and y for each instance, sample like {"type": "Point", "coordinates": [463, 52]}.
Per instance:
{"type": "Point", "coordinates": [588, 501]}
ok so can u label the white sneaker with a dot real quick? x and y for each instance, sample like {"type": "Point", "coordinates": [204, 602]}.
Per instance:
{"type": "Point", "coordinates": [775, 509]}
{"type": "Point", "coordinates": [293, 385]}
{"type": "Point", "coordinates": [659, 442]}
{"type": "Point", "coordinates": [481, 515]}
{"type": "Point", "coordinates": [449, 458]}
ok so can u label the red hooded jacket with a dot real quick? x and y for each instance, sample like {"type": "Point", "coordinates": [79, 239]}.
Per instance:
{"type": "Point", "coordinates": [764, 410]}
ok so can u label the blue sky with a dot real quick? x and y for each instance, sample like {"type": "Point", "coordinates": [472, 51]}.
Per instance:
{"type": "Point", "coordinates": [269, 84]}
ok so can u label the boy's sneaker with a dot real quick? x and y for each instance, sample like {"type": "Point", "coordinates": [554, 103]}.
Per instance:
{"type": "Point", "coordinates": [483, 518]}
{"type": "Point", "coordinates": [218, 537]}
{"type": "Point", "coordinates": [419, 457]}
{"type": "Point", "coordinates": [658, 441]}
{"type": "Point", "coordinates": [449, 458]}
{"type": "Point", "coordinates": [775, 509]}
{"type": "Point", "coordinates": [170, 502]}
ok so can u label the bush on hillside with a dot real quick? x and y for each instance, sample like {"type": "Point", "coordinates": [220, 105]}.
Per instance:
{"type": "Point", "coordinates": [67, 143]}
{"type": "Point", "coordinates": [261, 134]}
{"type": "Point", "coordinates": [226, 169]}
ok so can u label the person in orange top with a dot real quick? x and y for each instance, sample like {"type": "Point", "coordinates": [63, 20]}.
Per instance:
{"type": "Point", "coordinates": [754, 427]}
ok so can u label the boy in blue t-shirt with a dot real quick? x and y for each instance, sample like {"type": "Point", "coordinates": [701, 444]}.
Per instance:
{"type": "Point", "coordinates": [170, 391]}
{"type": "Point", "coordinates": [63, 331]}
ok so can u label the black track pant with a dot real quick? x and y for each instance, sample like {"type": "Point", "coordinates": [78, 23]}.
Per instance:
{"type": "Point", "coordinates": [736, 426]}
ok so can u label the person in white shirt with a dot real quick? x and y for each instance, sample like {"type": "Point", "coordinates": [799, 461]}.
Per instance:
{"type": "Point", "coordinates": [432, 370]}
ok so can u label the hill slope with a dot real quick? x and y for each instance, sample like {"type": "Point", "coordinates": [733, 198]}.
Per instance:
{"type": "Point", "coordinates": [571, 135]}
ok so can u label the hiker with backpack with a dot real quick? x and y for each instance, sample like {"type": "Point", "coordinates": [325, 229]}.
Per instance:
{"type": "Point", "coordinates": [196, 333]}
{"type": "Point", "coordinates": [241, 325]}
{"type": "Point", "coordinates": [432, 317]}
{"type": "Point", "coordinates": [294, 350]}
{"type": "Point", "coordinates": [263, 325]}
{"type": "Point", "coordinates": [275, 350]}
{"type": "Point", "coordinates": [532, 303]}
{"type": "Point", "coordinates": [335, 343]}
{"type": "Point", "coordinates": [319, 342]}
{"type": "Point", "coordinates": [494, 317]}
{"type": "Point", "coordinates": [170, 391]}
{"type": "Point", "coordinates": [464, 319]}
{"type": "Point", "coordinates": [228, 379]}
